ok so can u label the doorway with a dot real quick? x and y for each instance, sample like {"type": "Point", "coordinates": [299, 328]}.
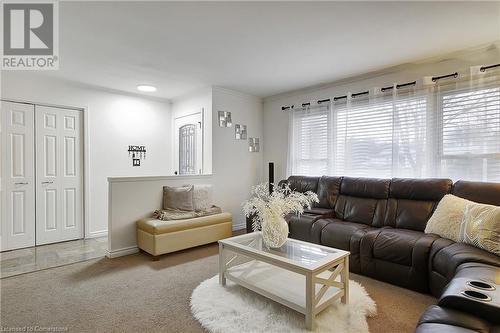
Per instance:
{"type": "Point", "coordinates": [42, 174]}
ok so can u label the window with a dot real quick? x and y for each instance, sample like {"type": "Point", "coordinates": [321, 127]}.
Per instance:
{"type": "Point", "coordinates": [453, 134]}
{"type": "Point", "coordinates": [187, 149]}
{"type": "Point", "coordinates": [381, 139]}
{"type": "Point", "coordinates": [363, 140]}
{"type": "Point", "coordinates": [310, 151]}
{"type": "Point", "coordinates": [470, 139]}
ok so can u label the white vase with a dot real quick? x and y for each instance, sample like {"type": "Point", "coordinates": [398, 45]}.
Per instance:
{"type": "Point", "coordinates": [274, 231]}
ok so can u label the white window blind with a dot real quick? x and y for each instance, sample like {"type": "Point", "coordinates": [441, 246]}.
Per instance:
{"type": "Point", "coordinates": [453, 134]}
{"type": "Point", "coordinates": [363, 140]}
{"type": "Point", "coordinates": [471, 135]}
{"type": "Point", "coordinates": [381, 139]}
{"type": "Point", "coordinates": [310, 149]}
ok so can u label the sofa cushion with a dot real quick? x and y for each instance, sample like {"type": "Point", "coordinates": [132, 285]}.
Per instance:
{"type": "Point", "coordinates": [412, 201]}
{"type": "Point", "coordinates": [303, 183]}
{"type": "Point", "coordinates": [157, 227]}
{"type": "Point", "coordinates": [328, 191]}
{"type": "Point", "coordinates": [420, 189]}
{"type": "Point", "coordinates": [447, 255]}
{"type": "Point", "coordinates": [397, 256]}
{"type": "Point", "coordinates": [339, 234]}
{"type": "Point", "coordinates": [306, 227]}
{"type": "Point", "coordinates": [362, 200]}
{"type": "Point", "coordinates": [397, 245]}
{"type": "Point", "coordinates": [359, 210]}
{"type": "Point", "coordinates": [365, 187]}
{"type": "Point", "coordinates": [413, 214]}
{"type": "Point", "coordinates": [346, 236]}
{"type": "Point", "coordinates": [486, 193]}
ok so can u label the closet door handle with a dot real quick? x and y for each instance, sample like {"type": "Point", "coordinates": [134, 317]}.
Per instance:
{"type": "Point", "coordinates": [50, 182]}
{"type": "Point", "coordinates": [21, 183]}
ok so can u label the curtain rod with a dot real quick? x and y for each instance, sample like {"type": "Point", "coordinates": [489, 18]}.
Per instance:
{"type": "Point", "coordinates": [484, 68]}
{"type": "Point", "coordinates": [398, 86]}
{"type": "Point", "coordinates": [436, 78]}
{"type": "Point", "coordinates": [360, 94]}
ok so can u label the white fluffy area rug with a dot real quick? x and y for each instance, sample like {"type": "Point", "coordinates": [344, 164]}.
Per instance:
{"type": "Point", "coordinates": [236, 309]}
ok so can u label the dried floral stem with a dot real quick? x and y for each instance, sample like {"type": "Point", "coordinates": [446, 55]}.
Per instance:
{"type": "Point", "coordinates": [283, 201]}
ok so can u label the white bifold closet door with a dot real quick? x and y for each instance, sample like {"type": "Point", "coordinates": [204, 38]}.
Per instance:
{"type": "Point", "coordinates": [17, 176]}
{"type": "Point", "coordinates": [59, 188]}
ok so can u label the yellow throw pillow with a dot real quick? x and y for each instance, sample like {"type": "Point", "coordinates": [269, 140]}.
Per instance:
{"type": "Point", "coordinates": [447, 218]}
{"type": "Point", "coordinates": [481, 227]}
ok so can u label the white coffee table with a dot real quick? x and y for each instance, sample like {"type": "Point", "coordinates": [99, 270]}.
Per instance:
{"type": "Point", "coordinates": [299, 275]}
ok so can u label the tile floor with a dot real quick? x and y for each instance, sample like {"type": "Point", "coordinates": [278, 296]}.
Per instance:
{"type": "Point", "coordinates": [36, 258]}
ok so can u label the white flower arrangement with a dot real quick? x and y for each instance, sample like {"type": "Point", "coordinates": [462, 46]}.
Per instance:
{"type": "Point", "coordinates": [264, 206]}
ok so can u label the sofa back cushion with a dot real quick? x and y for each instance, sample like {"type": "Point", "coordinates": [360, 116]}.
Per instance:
{"type": "Point", "coordinates": [362, 200]}
{"type": "Point", "coordinates": [486, 193]}
{"type": "Point", "coordinates": [412, 201]}
{"type": "Point", "coordinates": [328, 191]}
{"type": "Point", "coordinates": [303, 183]}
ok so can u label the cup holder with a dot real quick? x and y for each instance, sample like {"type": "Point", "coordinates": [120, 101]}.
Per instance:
{"type": "Point", "coordinates": [480, 285]}
{"type": "Point", "coordinates": [476, 295]}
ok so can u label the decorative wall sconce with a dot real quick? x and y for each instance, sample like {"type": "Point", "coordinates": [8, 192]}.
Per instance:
{"type": "Point", "coordinates": [253, 145]}
{"type": "Point", "coordinates": [240, 132]}
{"type": "Point", "coordinates": [137, 153]}
{"type": "Point", "coordinates": [225, 119]}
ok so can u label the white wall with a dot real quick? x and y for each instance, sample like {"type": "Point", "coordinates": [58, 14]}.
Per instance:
{"type": "Point", "coordinates": [192, 103]}
{"type": "Point", "coordinates": [114, 121]}
{"type": "Point", "coordinates": [276, 121]}
{"type": "Point", "coordinates": [235, 169]}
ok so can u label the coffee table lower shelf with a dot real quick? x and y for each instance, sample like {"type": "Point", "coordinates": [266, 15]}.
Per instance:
{"type": "Point", "coordinates": [287, 287]}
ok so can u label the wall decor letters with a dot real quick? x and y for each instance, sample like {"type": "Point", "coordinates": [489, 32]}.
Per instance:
{"type": "Point", "coordinates": [137, 153]}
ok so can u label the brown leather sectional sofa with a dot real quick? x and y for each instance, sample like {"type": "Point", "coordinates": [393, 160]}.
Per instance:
{"type": "Point", "coordinates": [382, 221]}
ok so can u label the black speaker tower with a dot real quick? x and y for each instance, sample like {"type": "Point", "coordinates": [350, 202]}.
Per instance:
{"type": "Point", "coordinates": [271, 177]}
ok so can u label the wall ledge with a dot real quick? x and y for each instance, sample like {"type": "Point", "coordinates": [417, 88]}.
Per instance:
{"type": "Point", "coordinates": [155, 178]}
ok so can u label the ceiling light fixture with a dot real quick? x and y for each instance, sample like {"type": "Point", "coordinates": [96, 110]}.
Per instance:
{"type": "Point", "coordinates": [146, 88]}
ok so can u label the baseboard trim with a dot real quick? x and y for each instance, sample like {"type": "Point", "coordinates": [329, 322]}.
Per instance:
{"type": "Point", "coordinates": [122, 252]}
{"type": "Point", "coordinates": [97, 234]}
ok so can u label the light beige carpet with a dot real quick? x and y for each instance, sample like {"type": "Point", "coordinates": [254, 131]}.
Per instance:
{"type": "Point", "coordinates": [135, 294]}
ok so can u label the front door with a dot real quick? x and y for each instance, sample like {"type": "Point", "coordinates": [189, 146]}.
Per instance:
{"type": "Point", "coordinates": [188, 144]}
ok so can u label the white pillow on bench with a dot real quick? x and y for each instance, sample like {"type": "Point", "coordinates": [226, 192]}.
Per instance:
{"type": "Point", "coordinates": [202, 197]}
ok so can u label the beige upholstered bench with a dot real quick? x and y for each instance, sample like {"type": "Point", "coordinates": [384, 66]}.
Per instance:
{"type": "Point", "coordinates": [158, 237]}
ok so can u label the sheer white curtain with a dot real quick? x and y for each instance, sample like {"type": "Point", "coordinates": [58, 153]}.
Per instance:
{"type": "Point", "coordinates": [450, 129]}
